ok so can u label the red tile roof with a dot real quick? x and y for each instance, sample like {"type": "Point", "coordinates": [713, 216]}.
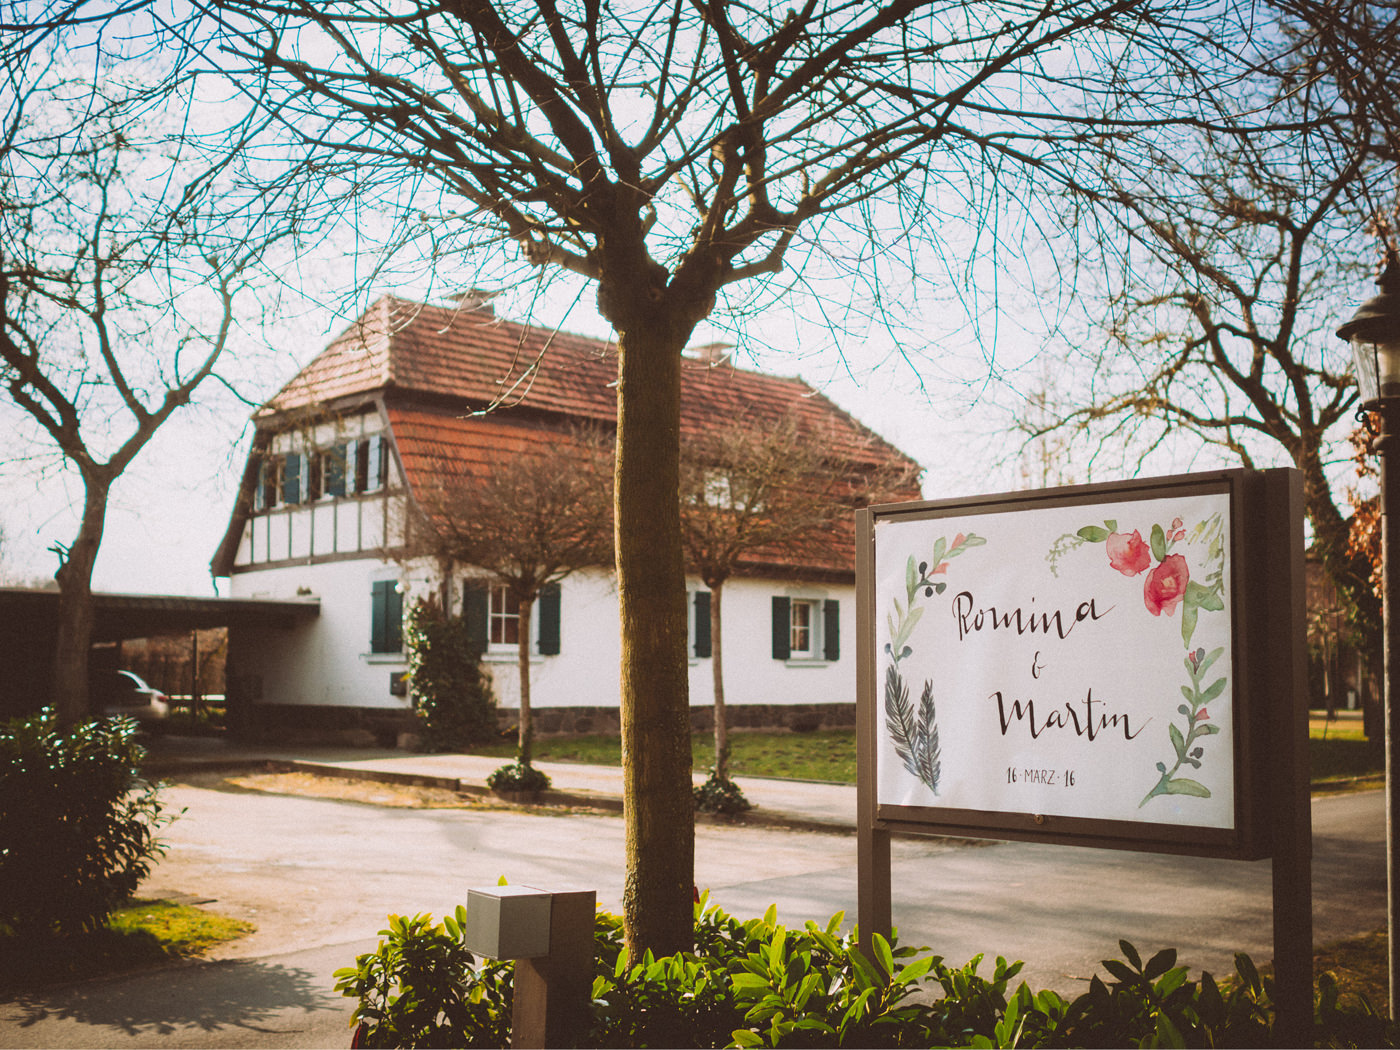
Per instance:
{"type": "Point", "coordinates": [461, 353]}
{"type": "Point", "coordinates": [434, 365]}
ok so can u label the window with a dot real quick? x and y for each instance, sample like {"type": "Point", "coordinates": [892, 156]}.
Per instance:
{"type": "Point", "coordinates": [730, 490]}
{"type": "Point", "coordinates": [800, 628]}
{"type": "Point", "coordinates": [806, 628]}
{"type": "Point", "coordinates": [493, 618]}
{"type": "Point", "coordinates": [386, 617]}
{"type": "Point", "coordinates": [505, 617]}
{"type": "Point", "coordinates": [333, 470]}
{"type": "Point", "coordinates": [370, 464]}
{"type": "Point", "coordinates": [330, 473]}
{"type": "Point", "coordinates": [269, 490]}
{"type": "Point", "coordinates": [291, 477]}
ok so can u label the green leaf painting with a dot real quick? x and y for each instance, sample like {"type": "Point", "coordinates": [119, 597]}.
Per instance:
{"type": "Point", "coordinates": [914, 733]}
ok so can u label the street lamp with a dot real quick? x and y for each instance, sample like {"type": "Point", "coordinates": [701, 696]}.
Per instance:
{"type": "Point", "coordinates": [1374, 334]}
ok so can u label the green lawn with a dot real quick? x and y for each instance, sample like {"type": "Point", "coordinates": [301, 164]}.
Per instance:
{"type": "Point", "coordinates": [826, 754]}
{"type": "Point", "coordinates": [1338, 750]}
{"type": "Point", "coordinates": [144, 933]}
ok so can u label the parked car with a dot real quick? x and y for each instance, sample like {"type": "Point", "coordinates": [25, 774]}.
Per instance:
{"type": "Point", "coordinates": [124, 693]}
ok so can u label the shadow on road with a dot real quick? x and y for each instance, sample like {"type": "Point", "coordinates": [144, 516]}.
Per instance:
{"type": "Point", "coordinates": [211, 996]}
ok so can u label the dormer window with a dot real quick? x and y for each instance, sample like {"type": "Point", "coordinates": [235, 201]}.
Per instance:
{"type": "Point", "coordinates": [347, 468]}
{"type": "Point", "coordinates": [370, 464]}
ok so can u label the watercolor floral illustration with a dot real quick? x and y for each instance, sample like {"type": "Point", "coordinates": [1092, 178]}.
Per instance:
{"type": "Point", "coordinates": [1168, 586]}
{"type": "Point", "coordinates": [914, 734]}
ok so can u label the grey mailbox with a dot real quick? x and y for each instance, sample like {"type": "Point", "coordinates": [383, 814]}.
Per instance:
{"type": "Point", "coordinates": [550, 935]}
{"type": "Point", "coordinates": [508, 922]}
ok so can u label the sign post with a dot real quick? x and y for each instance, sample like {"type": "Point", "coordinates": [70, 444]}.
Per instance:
{"type": "Point", "coordinates": [1120, 666]}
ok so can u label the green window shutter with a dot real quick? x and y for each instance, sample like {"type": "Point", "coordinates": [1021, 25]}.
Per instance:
{"type": "Point", "coordinates": [394, 618]}
{"type": "Point", "coordinates": [782, 627]}
{"type": "Point", "coordinates": [335, 470]}
{"type": "Point", "coordinates": [291, 478]}
{"type": "Point", "coordinates": [375, 464]}
{"type": "Point", "coordinates": [386, 617]}
{"type": "Point", "coordinates": [831, 629]}
{"type": "Point", "coordinates": [476, 611]}
{"type": "Point", "coordinates": [549, 620]}
{"type": "Point", "coordinates": [359, 450]}
{"type": "Point", "coordinates": [702, 624]}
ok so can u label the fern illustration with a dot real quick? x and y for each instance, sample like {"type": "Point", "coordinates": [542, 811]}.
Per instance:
{"type": "Point", "coordinates": [915, 737]}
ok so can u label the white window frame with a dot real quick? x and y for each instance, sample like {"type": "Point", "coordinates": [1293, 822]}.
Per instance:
{"type": "Point", "coordinates": [812, 650]}
{"type": "Point", "coordinates": [498, 614]}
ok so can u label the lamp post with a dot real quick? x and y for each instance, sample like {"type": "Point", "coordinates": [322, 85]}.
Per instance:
{"type": "Point", "coordinates": [1374, 334]}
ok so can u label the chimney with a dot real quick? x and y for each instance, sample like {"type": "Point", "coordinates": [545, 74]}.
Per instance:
{"type": "Point", "coordinates": [712, 355]}
{"type": "Point", "coordinates": [475, 300]}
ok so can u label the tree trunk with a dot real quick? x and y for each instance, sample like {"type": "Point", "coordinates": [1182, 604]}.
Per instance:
{"type": "Point", "coordinates": [75, 609]}
{"type": "Point", "coordinates": [658, 804]}
{"type": "Point", "coordinates": [717, 666]}
{"type": "Point", "coordinates": [525, 752]}
{"type": "Point", "coordinates": [1349, 569]}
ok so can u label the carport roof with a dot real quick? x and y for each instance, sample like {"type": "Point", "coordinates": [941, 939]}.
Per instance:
{"type": "Point", "coordinates": [119, 616]}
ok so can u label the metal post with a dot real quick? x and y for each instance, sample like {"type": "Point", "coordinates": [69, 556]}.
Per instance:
{"type": "Point", "coordinates": [1390, 521]}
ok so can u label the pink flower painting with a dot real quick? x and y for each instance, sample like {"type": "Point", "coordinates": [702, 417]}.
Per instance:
{"type": "Point", "coordinates": [1127, 552]}
{"type": "Point", "coordinates": [1166, 585]}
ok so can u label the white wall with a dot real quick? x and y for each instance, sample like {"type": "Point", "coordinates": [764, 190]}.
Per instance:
{"type": "Point", "coordinates": [327, 661]}
{"type": "Point", "coordinates": [751, 675]}
{"type": "Point", "coordinates": [585, 671]}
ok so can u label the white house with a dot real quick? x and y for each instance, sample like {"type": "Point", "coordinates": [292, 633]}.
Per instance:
{"type": "Point", "coordinates": [383, 410]}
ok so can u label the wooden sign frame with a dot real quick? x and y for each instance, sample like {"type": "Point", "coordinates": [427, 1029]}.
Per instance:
{"type": "Point", "coordinates": [1272, 813]}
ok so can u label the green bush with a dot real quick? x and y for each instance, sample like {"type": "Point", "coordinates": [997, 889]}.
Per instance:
{"type": "Point", "coordinates": [518, 776]}
{"type": "Point", "coordinates": [757, 983]}
{"type": "Point", "coordinates": [720, 796]}
{"type": "Point", "coordinates": [419, 988]}
{"type": "Point", "coordinates": [77, 822]}
{"type": "Point", "coordinates": [452, 699]}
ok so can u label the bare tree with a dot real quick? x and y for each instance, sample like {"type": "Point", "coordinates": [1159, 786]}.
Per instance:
{"type": "Point", "coordinates": [1226, 274]}
{"type": "Point", "coordinates": [532, 519]}
{"type": "Point", "coordinates": [683, 154]}
{"type": "Point", "coordinates": [770, 487]}
{"type": "Point", "coordinates": [118, 279]}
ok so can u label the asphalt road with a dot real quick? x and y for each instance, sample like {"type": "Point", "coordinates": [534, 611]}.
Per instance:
{"type": "Point", "coordinates": [318, 877]}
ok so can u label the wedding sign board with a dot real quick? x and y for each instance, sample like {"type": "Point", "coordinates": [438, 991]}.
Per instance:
{"type": "Point", "coordinates": [1066, 663]}
{"type": "Point", "coordinates": [1120, 666]}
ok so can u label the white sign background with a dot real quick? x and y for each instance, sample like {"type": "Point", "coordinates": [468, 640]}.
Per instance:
{"type": "Point", "coordinates": [1097, 707]}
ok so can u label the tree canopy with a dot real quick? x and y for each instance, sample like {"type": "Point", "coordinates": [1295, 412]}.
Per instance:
{"type": "Point", "coordinates": [1223, 277]}
{"type": "Point", "coordinates": [123, 251]}
{"type": "Point", "coordinates": [530, 519]}
{"type": "Point", "coordinates": [688, 154]}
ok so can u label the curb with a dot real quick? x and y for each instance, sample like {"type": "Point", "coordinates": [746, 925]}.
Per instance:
{"type": "Point", "coordinates": [561, 799]}
{"type": "Point", "coordinates": [1338, 784]}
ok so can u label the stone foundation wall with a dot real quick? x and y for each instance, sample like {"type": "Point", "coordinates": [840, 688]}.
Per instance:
{"type": "Point", "coordinates": [368, 727]}
{"type": "Point", "coordinates": [575, 721]}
